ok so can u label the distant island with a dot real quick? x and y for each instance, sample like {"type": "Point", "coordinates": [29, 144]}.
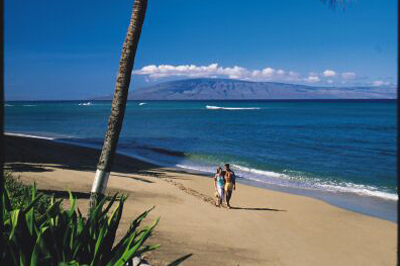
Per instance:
{"type": "Point", "coordinates": [230, 89]}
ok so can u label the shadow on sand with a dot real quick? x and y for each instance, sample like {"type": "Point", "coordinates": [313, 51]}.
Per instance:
{"type": "Point", "coordinates": [34, 155]}
{"type": "Point", "coordinates": [19, 167]}
{"type": "Point", "coordinates": [135, 178]}
{"type": "Point", "coordinates": [257, 209]}
{"type": "Point", "coordinates": [37, 155]}
{"type": "Point", "coordinates": [64, 194]}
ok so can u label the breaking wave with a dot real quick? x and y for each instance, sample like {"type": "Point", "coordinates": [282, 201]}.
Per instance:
{"type": "Point", "coordinates": [86, 104]}
{"type": "Point", "coordinates": [304, 182]}
{"type": "Point", "coordinates": [231, 108]}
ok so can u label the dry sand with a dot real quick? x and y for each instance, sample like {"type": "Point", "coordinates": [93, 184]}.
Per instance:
{"type": "Point", "coordinates": [265, 228]}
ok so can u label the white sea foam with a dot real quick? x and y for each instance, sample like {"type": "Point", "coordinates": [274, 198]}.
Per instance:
{"type": "Point", "coordinates": [231, 108]}
{"type": "Point", "coordinates": [257, 171]}
{"type": "Point", "coordinates": [140, 104]}
{"type": "Point", "coordinates": [29, 105]}
{"type": "Point", "coordinates": [28, 136]}
{"type": "Point", "coordinates": [8, 105]}
{"type": "Point", "coordinates": [286, 180]}
{"type": "Point", "coordinates": [262, 176]}
{"type": "Point", "coordinates": [196, 168]}
{"type": "Point", "coordinates": [363, 190]}
{"type": "Point", "coordinates": [86, 104]}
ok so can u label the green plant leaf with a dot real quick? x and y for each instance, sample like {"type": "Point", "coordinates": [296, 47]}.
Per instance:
{"type": "Point", "coordinates": [97, 254]}
{"type": "Point", "coordinates": [180, 260]}
{"type": "Point", "coordinates": [105, 211]}
{"type": "Point", "coordinates": [51, 211]}
{"type": "Point", "coordinates": [131, 251]}
{"type": "Point", "coordinates": [72, 202]}
{"type": "Point", "coordinates": [14, 222]}
{"type": "Point", "coordinates": [135, 223]}
{"type": "Point", "coordinates": [37, 250]}
{"type": "Point", "coordinates": [34, 201]}
{"type": "Point", "coordinates": [55, 236]}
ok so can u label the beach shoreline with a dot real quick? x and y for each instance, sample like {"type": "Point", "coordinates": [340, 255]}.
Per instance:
{"type": "Point", "coordinates": [367, 205]}
{"type": "Point", "coordinates": [265, 228]}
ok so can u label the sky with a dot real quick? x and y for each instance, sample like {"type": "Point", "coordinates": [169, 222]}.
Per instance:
{"type": "Point", "coordinates": [70, 49]}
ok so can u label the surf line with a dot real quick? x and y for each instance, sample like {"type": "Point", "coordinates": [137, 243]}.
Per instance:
{"type": "Point", "coordinates": [231, 108]}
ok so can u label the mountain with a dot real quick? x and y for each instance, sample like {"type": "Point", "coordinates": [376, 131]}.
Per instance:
{"type": "Point", "coordinates": [228, 89]}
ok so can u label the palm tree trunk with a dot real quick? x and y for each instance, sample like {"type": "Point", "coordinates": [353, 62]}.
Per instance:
{"type": "Point", "coordinates": [119, 101]}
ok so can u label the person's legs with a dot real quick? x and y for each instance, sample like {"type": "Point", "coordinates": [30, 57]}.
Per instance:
{"type": "Point", "coordinates": [228, 194]}
{"type": "Point", "coordinates": [217, 201]}
{"type": "Point", "coordinates": [228, 198]}
{"type": "Point", "coordinates": [221, 195]}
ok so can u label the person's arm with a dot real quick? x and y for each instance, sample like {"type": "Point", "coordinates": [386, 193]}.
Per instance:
{"type": "Point", "coordinates": [234, 180]}
{"type": "Point", "coordinates": [215, 182]}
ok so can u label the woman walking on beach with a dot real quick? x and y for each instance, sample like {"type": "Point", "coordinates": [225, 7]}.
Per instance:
{"type": "Point", "coordinates": [219, 183]}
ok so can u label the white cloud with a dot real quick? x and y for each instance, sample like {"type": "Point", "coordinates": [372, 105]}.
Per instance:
{"type": "Point", "coordinates": [154, 72]}
{"type": "Point", "coordinates": [312, 79]}
{"type": "Point", "coordinates": [162, 71]}
{"type": "Point", "coordinates": [266, 73]}
{"type": "Point", "coordinates": [348, 75]}
{"type": "Point", "coordinates": [329, 73]}
{"type": "Point", "coordinates": [213, 70]}
{"type": "Point", "coordinates": [235, 72]}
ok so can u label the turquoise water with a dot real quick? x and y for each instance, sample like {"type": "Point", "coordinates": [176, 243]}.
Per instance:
{"type": "Point", "coordinates": [343, 152]}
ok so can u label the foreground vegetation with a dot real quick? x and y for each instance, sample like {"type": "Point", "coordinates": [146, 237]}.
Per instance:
{"type": "Point", "coordinates": [39, 231]}
{"type": "Point", "coordinates": [21, 195]}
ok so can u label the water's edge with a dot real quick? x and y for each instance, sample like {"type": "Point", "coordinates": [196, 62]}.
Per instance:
{"type": "Point", "coordinates": [358, 204]}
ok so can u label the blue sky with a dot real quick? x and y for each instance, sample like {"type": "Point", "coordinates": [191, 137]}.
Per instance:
{"type": "Point", "coordinates": [70, 49]}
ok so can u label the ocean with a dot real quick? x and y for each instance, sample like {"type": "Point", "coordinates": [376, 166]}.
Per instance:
{"type": "Point", "coordinates": [341, 152]}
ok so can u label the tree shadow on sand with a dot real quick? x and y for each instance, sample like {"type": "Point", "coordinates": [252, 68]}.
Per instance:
{"type": "Point", "coordinates": [59, 194]}
{"type": "Point", "coordinates": [64, 194]}
{"type": "Point", "coordinates": [20, 167]}
{"type": "Point", "coordinates": [135, 178]}
{"type": "Point", "coordinates": [37, 155]}
{"type": "Point", "coordinates": [256, 209]}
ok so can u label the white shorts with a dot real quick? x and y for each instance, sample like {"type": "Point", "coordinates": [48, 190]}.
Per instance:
{"type": "Point", "coordinates": [221, 192]}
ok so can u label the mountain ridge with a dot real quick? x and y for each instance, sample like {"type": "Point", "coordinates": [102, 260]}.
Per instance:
{"type": "Point", "coordinates": [231, 89]}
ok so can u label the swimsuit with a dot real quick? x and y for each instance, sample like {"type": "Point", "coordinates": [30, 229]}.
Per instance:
{"type": "Point", "coordinates": [220, 186]}
{"type": "Point", "coordinates": [228, 187]}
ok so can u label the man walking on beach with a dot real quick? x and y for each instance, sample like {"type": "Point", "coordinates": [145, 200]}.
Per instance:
{"type": "Point", "coordinates": [230, 184]}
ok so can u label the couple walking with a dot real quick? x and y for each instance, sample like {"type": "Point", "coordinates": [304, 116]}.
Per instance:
{"type": "Point", "coordinates": [224, 182]}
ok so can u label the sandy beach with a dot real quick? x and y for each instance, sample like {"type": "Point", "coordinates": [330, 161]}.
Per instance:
{"type": "Point", "coordinates": [265, 227]}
